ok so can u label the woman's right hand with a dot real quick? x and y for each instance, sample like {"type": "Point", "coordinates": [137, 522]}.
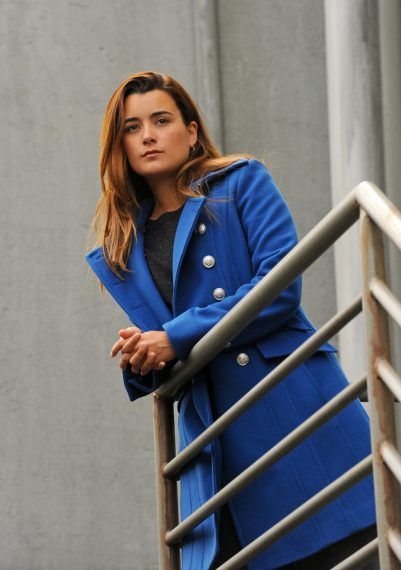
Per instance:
{"type": "Point", "coordinates": [127, 342]}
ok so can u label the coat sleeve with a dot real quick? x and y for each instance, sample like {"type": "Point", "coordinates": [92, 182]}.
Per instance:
{"type": "Point", "coordinates": [138, 386]}
{"type": "Point", "coordinates": [270, 233]}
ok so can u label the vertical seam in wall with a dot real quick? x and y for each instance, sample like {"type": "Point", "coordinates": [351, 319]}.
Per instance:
{"type": "Point", "coordinates": [195, 51]}
{"type": "Point", "coordinates": [219, 76]}
{"type": "Point", "coordinates": [205, 34]}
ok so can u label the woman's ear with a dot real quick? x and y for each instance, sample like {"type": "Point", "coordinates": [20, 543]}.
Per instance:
{"type": "Point", "coordinates": [193, 131]}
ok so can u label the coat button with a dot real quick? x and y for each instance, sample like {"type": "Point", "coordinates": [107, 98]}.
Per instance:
{"type": "Point", "coordinates": [208, 261]}
{"type": "Point", "coordinates": [219, 294]}
{"type": "Point", "coordinates": [200, 229]}
{"type": "Point", "coordinates": [228, 344]}
{"type": "Point", "coordinates": [242, 359]}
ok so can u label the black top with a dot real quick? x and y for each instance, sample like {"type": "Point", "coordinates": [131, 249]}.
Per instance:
{"type": "Point", "coordinates": [158, 245]}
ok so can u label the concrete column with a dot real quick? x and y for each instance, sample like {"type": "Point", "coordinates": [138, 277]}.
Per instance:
{"type": "Point", "coordinates": [207, 72]}
{"type": "Point", "coordinates": [356, 142]}
{"type": "Point", "coordinates": [390, 64]}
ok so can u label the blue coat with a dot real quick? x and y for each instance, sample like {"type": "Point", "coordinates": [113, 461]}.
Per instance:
{"type": "Point", "coordinates": [253, 231]}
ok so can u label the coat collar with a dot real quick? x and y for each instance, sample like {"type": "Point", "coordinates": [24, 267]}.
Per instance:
{"type": "Point", "coordinates": [147, 204]}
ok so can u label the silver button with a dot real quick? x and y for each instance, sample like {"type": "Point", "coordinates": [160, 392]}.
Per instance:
{"type": "Point", "coordinates": [208, 261]}
{"type": "Point", "coordinates": [242, 359]}
{"type": "Point", "coordinates": [227, 345]}
{"type": "Point", "coordinates": [200, 229]}
{"type": "Point", "coordinates": [219, 294]}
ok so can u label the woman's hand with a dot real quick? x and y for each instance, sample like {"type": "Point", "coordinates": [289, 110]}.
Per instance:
{"type": "Point", "coordinates": [152, 347]}
{"type": "Point", "coordinates": [131, 333]}
{"type": "Point", "coordinates": [143, 350]}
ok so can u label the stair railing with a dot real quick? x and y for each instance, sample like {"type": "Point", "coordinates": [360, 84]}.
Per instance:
{"type": "Point", "coordinates": [377, 216]}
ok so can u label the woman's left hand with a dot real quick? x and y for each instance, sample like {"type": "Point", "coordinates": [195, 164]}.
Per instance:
{"type": "Point", "coordinates": [147, 351]}
{"type": "Point", "coordinates": [158, 349]}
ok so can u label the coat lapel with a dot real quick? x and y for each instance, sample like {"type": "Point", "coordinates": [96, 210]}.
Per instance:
{"type": "Point", "coordinates": [137, 294]}
{"type": "Point", "coordinates": [189, 216]}
{"type": "Point", "coordinates": [187, 221]}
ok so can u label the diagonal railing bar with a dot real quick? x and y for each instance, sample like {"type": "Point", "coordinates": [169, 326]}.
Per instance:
{"type": "Point", "coordinates": [360, 556]}
{"type": "Point", "coordinates": [376, 213]}
{"type": "Point", "coordinates": [386, 298]}
{"type": "Point", "coordinates": [284, 446]}
{"type": "Point", "coordinates": [394, 540]}
{"type": "Point", "coordinates": [389, 377]}
{"type": "Point", "coordinates": [379, 209]}
{"type": "Point", "coordinates": [304, 351]}
{"type": "Point", "coordinates": [320, 238]}
{"type": "Point", "coordinates": [392, 458]}
{"type": "Point", "coordinates": [299, 515]}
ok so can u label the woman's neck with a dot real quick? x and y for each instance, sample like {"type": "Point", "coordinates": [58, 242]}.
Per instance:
{"type": "Point", "coordinates": [165, 198]}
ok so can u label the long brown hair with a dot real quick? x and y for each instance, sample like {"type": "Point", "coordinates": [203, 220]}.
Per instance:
{"type": "Point", "coordinates": [113, 225]}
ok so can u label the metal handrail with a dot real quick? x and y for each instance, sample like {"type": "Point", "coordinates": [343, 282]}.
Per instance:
{"type": "Point", "coordinates": [394, 538]}
{"type": "Point", "coordinates": [376, 212]}
{"type": "Point", "coordinates": [320, 238]}
{"type": "Point", "coordinates": [389, 376]}
{"type": "Point", "coordinates": [386, 298]}
{"type": "Point", "coordinates": [271, 457]}
{"type": "Point", "coordinates": [302, 353]}
{"type": "Point", "coordinates": [359, 557]}
{"type": "Point", "coordinates": [288, 523]}
{"type": "Point", "coordinates": [366, 195]}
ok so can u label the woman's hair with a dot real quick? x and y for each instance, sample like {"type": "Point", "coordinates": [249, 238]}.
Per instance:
{"type": "Point", "coordinates": [123, 189]}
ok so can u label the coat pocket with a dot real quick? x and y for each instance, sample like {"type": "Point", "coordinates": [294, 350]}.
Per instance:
{"type": "Point", "coordinates": [286, 340]}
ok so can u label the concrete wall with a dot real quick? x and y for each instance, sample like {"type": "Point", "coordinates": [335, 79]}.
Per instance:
{"type": "Point", "coordinates": [77, 457]}
{"type": "Point", "coordinates": [275, 106]}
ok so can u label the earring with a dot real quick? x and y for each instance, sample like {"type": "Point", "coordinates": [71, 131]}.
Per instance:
{"type": "Point", "coordinates": [192, 148]}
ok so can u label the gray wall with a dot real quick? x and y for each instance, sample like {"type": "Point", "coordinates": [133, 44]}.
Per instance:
{"type": "Point", "coordinates": [275, 106]}
{"type": "Point", "coordinates": [77, 474]}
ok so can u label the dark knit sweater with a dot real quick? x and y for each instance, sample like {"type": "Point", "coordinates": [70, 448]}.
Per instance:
{"type": "Point", "coordinates": [158, 245]}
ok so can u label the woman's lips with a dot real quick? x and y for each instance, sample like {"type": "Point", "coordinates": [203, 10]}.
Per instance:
{"type": "Point", "coordinates": [155, 153]}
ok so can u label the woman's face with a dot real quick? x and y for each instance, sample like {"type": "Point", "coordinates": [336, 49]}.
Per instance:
{"type": "Point", "coordinates": [152, 121]}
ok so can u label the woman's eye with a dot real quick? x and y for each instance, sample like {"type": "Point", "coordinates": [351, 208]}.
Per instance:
{"type": "Point", "coordinates": [130, 128]}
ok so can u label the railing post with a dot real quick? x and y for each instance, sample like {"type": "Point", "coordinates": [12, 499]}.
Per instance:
{"type": "Point", "coordinates": [166, 489]}
{"type": "Point", "coordinates": [382, 418]}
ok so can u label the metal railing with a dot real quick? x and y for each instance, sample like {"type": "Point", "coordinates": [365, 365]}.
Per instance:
{"type": "Point", "coordinates": [377, 216]}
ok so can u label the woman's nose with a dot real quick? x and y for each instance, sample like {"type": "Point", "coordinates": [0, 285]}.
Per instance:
{"type": "Point", "coordinates": [147, 134]}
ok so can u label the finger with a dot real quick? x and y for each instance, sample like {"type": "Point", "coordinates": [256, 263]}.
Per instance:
{"type": "Point", "coordinates": [124, 360]}
{"type": "Point", "coordinates": [126, 333]}
{"type": "Point", "coordinates": [148, 364]}
{"type": "Point", "coordinates": [160, 366]}
{"type": "Point", "coordinates": [138, 357]}
{"type": "Point", "coordinates": [117, 346]}
{"type": "Point", "coordinates": [129, 345]}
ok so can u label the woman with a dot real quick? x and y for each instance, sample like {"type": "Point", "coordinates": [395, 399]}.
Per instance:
{"type": "Point", "coordinates": [183, 234]}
